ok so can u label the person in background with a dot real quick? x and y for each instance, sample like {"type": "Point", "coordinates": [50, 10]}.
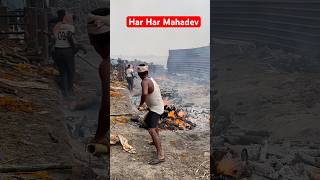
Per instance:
{"type": "Point", "coordinates": [60, 15]}
{"type": "Point", "coordinates": [151, 95]}
{"type": "Point", "coordinates": [130, 76]}
{"type": "Point", "coordinates": [64, 53]}
{"type": "Point", "coordinates": [98, 27]}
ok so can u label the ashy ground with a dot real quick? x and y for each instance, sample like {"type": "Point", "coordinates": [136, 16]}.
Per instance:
{"type": "Point", "coordinates": [187, 152]}
{"type": "Point", "coordinates": [255, 97]}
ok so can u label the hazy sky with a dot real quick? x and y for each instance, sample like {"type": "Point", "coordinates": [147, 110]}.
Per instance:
{"type": "Point", "coordinates": [157, 41]}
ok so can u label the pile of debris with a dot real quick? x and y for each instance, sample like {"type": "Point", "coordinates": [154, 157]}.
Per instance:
{"type": "Point", "coordinates": [243, 153]}
{"type": "Point", "coordinates": [26, 71]}
{"type": "Point", "coordinates": [115, 94]}
{"type": "Point", "coordinates": [17, 76]}
{"type": "Point", "coordinates": [277, 60]}
{"type": "Point", "coordinates": [11, 51]}
{"type": "Point", "coordinates": [117, 138]}
{"type": "Point", "coordinates": [13, 104]}
{"type": "Point", "coordinates": [175, 119]}
{"type": "Point", "coordinates": [169, 93]}
{"type": "Point", "coordinates": [118, 84]}
{"type": "Point", "coordinates": [16, 52]}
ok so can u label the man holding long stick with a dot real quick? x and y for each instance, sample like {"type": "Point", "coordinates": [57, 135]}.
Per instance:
{"type": "Point", "coordinates": [99, 34]}
{"type": "Point", "coordinates": [151, 95]}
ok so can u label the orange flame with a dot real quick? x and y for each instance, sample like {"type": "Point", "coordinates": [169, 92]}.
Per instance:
{"type": "Point", "coordinates": [171, 114]}
{"type": "Point", "coordinates": [179, 122]}
{"type": "Point", "coordinates": [181, 113]}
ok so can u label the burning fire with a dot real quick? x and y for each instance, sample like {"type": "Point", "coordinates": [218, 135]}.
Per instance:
{"type": "Point", "coordinates": [171, 114]}
{"type": "Point", "coordinates": [176, 119]}
{"type": "Point", "coordinates": [180, 123]}
{"type": "Point", "coordinates": [181, 113]}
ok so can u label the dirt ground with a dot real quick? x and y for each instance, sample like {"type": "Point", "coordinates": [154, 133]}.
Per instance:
{"type": "Point", "coordinates": [50, 133]}
{"type": "Point", "coordinates": [187, 152]}
{"type": "Point", "coordinates": [254, 97]}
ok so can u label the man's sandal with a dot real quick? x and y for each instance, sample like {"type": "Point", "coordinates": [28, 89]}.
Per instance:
{"type": "Point", "coordinates": [156, 161]}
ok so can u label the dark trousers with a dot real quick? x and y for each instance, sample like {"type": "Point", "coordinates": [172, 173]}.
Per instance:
{"type": "Point", "coordinates": [130, 83]}
{"type": "Point", "coordinates": [64, 59]}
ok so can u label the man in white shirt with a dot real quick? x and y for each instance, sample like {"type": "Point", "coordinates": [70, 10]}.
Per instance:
{"type": "Point", "coordinates": [151, 95]}
{"type": "Point", "coordinates": [130, 77]}
{"type": "Point", "coordinates": [64, 54]}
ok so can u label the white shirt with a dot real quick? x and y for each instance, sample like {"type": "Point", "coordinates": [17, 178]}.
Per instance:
{"type": "Point", "coordinates": [129, 72]}
{"type": "Point", "coordinates": [60, 34]}
{"type": "Point", "coordinates": [154, 100]}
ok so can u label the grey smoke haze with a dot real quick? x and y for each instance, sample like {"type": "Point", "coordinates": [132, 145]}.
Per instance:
{"type": "Point", "coordinates": [155, 42]}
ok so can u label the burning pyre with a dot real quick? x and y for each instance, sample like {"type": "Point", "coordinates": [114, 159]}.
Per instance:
{"type": "Point", "coordinates": [175, 119]}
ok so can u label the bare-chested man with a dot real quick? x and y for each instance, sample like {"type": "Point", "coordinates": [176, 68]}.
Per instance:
{"type": "Point", "coordinates": [152, 97]}
{"type": "Point", "coordinates": [99, 34]}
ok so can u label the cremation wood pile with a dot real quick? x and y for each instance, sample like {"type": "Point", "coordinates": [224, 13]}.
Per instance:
{"type": "Point", "coordinates": [17, 77]}
{"type": "Point", "coordinates": [16, 51]}
{"type": "Point", "coordinates": [186, 104]}
{"type": "Point", "coordinates": [175, 119]}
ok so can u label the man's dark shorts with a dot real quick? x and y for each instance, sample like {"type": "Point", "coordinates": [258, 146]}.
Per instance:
{"type": "Point", "coordinates": [152, 120]}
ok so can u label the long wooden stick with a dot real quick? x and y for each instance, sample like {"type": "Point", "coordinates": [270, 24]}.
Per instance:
{"type": "Point", "coordinates": [124, 114]}
{"type": "Point", "coordinates": [32, 168]}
